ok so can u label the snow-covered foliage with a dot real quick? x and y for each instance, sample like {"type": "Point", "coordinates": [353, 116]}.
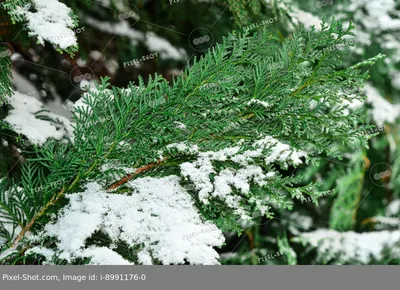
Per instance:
{"type": "Point", "coordinates": [352, 248]}
{"type": "Point", "coordinates": [30, 118]}
{"type": "Point", "coordinates": [153, 42]}
{"type": "Point", "coordinates": [382, 111]}
{"type": "Point", "coordinates": [393, 208]}
{"type": "Point", "coordinates": [377, 24]}
{"type": "Point", "coordinates": [294, 15]}
{"type": "Point", "coordinates": [224, 183]}
{"type": "Point", "coordinates": [158, 218]}
{"type": "Point", "coordinates": [48, 20]}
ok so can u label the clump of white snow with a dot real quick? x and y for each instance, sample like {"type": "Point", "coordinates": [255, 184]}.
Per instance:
{"type": "Point", "coordinates": [24, 120]}
{"type": "Point", "coordinates": [156, 215]}
{"type": "Point", "coordinates": [393, 208]}
{"type": "Point", "coordinates": [300, 17]}
{"type": "Point", "coordinates": [382, 110]}
{"type": "Point", "coordinates": [183, 147]}
{"type": "Point", "coordinates": [348, 247]}
{"type": "Point", "coordinates": [50, 21]}
{"type": "Point", "coordinates": [48, 254]}
{"type": "Point", "coordinates": [224, 183]}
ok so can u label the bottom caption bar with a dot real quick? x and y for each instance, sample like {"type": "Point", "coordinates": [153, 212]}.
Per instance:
{"type": "Point", "coordinates": [199, 277]}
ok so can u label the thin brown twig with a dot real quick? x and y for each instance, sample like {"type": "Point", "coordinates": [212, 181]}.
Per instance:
{"type": "Point", "coordinates": [130, 176]}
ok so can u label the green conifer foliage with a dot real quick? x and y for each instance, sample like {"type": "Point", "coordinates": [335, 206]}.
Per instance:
{"type": "Point", "coordinates": [209, 108]}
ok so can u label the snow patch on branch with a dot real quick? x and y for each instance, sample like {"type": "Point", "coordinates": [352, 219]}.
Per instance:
{"type": "Point", "coordinates": [260, 102]}
{"type": "Point", "coordinates": [23, 118]}
{"type": "Point", "coordinates": [382, 111]}
{"type": "Point", "coordinates": [48, 254]}
{"type": "Point", "coordinates": [104, 256]}
{"type": "Point", "coordinates": [50, 21]}
{"type": "Point", "coordinates": [307, 19]}
{"type": "Point", "coordinates": [348, 247]}
{"type": "Point", "coordinates": [224, 182]}
{"type": "Point", "coordinates": [156, 216]}
{"type": "Point", "coordinates": [183, 147]}
{"type": "Point", "coordinates": [393, 208]}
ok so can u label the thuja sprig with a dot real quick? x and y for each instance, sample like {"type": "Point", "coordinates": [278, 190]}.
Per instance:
{"type": "Point", "coordinates": [248, 86]}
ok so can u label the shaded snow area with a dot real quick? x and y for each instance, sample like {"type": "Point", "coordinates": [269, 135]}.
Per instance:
{"type": "Point", "coordinates": [307, 19]}
{"type": "Point", "coordinates": [50, 21]}
{"type": "Point", "coordinates": [378, 18]}
{"type": "Point", "coordinates": [24, 119]}
{"type": "Point", "coordinates": [298, 16]}
{"type": "Point", "coordinates": [350, 247]}
{"type": "Point", "coordinates": [376, 23]}
{"type": "Point", "coordinates": [393, 208]}
{"type": "Point", "coordinates": [382, 110]}
{"type": "Point", "coordinates": [153, 42]}
{"type": "Point", "coordinates": [158, 215]}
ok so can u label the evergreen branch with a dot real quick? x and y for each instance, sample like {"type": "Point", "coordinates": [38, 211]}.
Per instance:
{"type": "Point", "coordinates": [218, 144]}
{"type": "Point", "coordinates": [38, 215]}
